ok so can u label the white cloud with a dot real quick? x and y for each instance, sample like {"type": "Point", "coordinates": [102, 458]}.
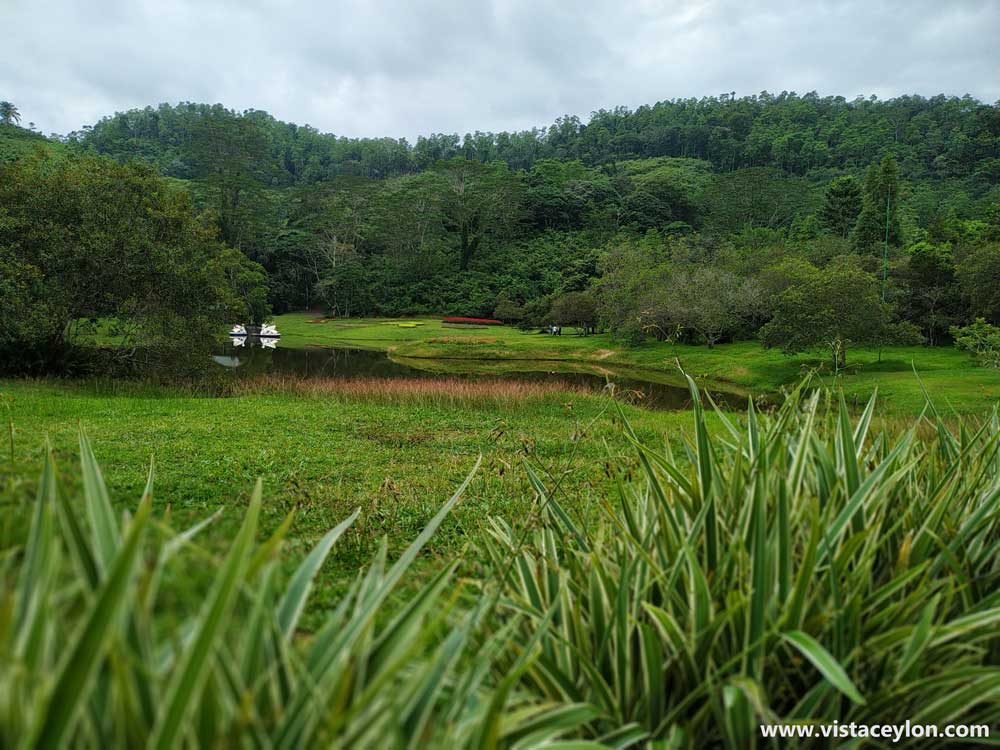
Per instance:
{"type": "Point", "coordinates": [401, 68]}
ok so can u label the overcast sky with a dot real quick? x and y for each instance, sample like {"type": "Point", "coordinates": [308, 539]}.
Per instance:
{"type": "Point", "coordinates": [407, 67]}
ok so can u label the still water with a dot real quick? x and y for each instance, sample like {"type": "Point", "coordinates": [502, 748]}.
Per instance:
{"type": "Point", "coordinates": [324, 362]}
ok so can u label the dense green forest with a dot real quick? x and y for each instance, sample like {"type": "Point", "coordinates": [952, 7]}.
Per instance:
{"type": "Point", "coordinates": [699, 220]}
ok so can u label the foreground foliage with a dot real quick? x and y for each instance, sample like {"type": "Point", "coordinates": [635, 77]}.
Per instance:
{"type": "Point", "coordinates": [980, 339]}
{"type": "Point", "coordinates": [792, 566]}
{"type": "Point", "coordinates": [92, 655]}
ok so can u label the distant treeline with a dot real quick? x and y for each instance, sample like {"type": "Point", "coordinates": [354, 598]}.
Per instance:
{"type": "Point", "coordinates": [938, 137]}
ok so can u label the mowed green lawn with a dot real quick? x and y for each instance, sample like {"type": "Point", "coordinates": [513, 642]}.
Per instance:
{"type": "Point", "coordinates": [323, 457]}
{"type": "Point", "coordinates": [952, 378]}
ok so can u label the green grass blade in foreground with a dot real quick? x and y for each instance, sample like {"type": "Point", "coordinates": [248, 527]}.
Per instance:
{"type": "Point", "coordinates": [294, 599]}
{"type": "Point", "coordinates": [489, 732]}
{"type": "Point", "coordinates": [35, 574]}
{"type": "Point", "coordinates": [196, 662]}
{"type": "Point", "coordinates": [79, 542]}
{"type": "Point", "coordinates": [706, 470]}
{"type": "Point", "coordinates": [331, 645]}
{"type": "Point", "coordinates": [823, 661]}
{"type": "Point", "coordinates": [100, 513]}
{"type": "Point", "coordinates": [919, 639]}
{"type": "Point", "coordinates": [70, 691]}
{"type": "Point", "coordinates": [548, 502]}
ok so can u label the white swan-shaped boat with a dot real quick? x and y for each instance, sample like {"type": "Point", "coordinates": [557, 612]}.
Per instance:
{"type": "Point", "coordinates": [269, 331]}
{"type": "Point", "coordinates": [238, 330]}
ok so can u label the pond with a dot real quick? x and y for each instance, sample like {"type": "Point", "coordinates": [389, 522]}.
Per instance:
{"type": "Point", "coordinates": [644, 388]}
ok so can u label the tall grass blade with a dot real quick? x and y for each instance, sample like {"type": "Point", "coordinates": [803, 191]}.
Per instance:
{"type": "Point", "coordinates": [294, 600]}
{"type": "Point", "coordinates": [823, 661]}
{"type": "Point", "coordinates": [69, 693]}
{"type": "Point", "coordinates": [197, 660]}
{"type": "Point", "coordinates": [100, 513]}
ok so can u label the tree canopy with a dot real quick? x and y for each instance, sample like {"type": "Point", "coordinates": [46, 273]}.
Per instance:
{"type": "Point", "coordinates": [939, 137]}
{"type": "Point", "coordinates": [87, 238]}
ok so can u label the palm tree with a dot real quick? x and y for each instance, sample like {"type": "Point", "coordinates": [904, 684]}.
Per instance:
{"type": "Point", "coordinates": [9, 114]}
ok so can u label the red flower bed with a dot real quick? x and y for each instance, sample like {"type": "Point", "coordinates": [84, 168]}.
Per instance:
{"type": "Point", "coordinates": [472, 321]}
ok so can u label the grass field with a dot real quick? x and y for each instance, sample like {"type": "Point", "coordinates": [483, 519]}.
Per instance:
{"type": "Point", "coordinates": [791, 566]}
{"type": "Point", "coordinates": [726, 559]}
{"type": "Point", "coordinates": [395, 454]}
{"type": "Point", "coordinates": [951, 377]}
{"type": "Point", "coordinates": [397, 451]}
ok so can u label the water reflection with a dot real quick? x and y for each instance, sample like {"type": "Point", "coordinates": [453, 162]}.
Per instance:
{"type": "Point", "coordinates": [252, 358]}
{"type": "Point", "coordinates": [226, 360]}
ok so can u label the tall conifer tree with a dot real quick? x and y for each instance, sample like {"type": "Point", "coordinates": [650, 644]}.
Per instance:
{"type": "Point", "coordinates": [881, 197]}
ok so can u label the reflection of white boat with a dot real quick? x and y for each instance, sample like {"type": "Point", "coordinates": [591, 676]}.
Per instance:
{"type": "Point", "coordinates": [269, 343]}
{"type": "Point", "coordinates": [238, 330]}
{"type": "Point", "coordinates": [268, 331]}
{"type": "Point", "coordinates": [239, 340]}
{"type": "Point", "coordinates": [227, 361]}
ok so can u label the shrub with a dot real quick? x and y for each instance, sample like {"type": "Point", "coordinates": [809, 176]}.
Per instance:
{"type": "Point", "coordinates": [792, 568]}
{"type": "Point", "coordinates": [980, 339]}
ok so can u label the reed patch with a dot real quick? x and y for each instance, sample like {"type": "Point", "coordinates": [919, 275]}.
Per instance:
{"type": "Point", "coordinates": [444, 390]}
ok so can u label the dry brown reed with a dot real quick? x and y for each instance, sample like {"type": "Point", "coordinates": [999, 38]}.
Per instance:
{"type": "Point", "coordinates": [444, 390]}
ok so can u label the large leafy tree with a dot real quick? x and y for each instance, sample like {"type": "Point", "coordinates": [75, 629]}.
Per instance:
{"type": "Point", "coordinates": [575, 309]}
{"type": "Point", "coordinates": [933, 298]}
{"type": "Point", "coordinates": [630, 294]}
{"type": "Point", "coordinates": [325, 226]}
{"type": "Point", "coordinates": [88, 238]}
{"type": "Point", "coordinates": [659, 202]}
{"type": "Point", "coordinates": [408, 223]}
{"type": "Point", "coordinates": [457, 208]}
{"type": "Point", "coordinates": [834, 307]}
{"type": "Point", "coordinates": [978, 272]}
{"type": "Point", "coordinates": [758, 197]}
{"type": "Point", "coordinates": [569, 195]}
{"type": "Point", "coordinates": [479, 203]}
{"type": "Point", "coordinates": [346, 287]}
{"type": "Point", "coordinates": [663, 193]}
{"type": "Point", "coordinates": [712, 302]}
{"type": "Point", "coordinates": [230, 155]}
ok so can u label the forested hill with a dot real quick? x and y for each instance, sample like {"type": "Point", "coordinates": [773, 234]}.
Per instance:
{"type": "Point", "coordinates": [687, 219]}
{"type": "Point", "coordinates": [930, 137]}
{"type": "Point", "coordinates": [16, 142]}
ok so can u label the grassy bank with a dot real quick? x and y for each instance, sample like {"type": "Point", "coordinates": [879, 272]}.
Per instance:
{"type": "Point", "coordinates": [951, 377]}
{"type": "Point", "coordinates": [322, 449]}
